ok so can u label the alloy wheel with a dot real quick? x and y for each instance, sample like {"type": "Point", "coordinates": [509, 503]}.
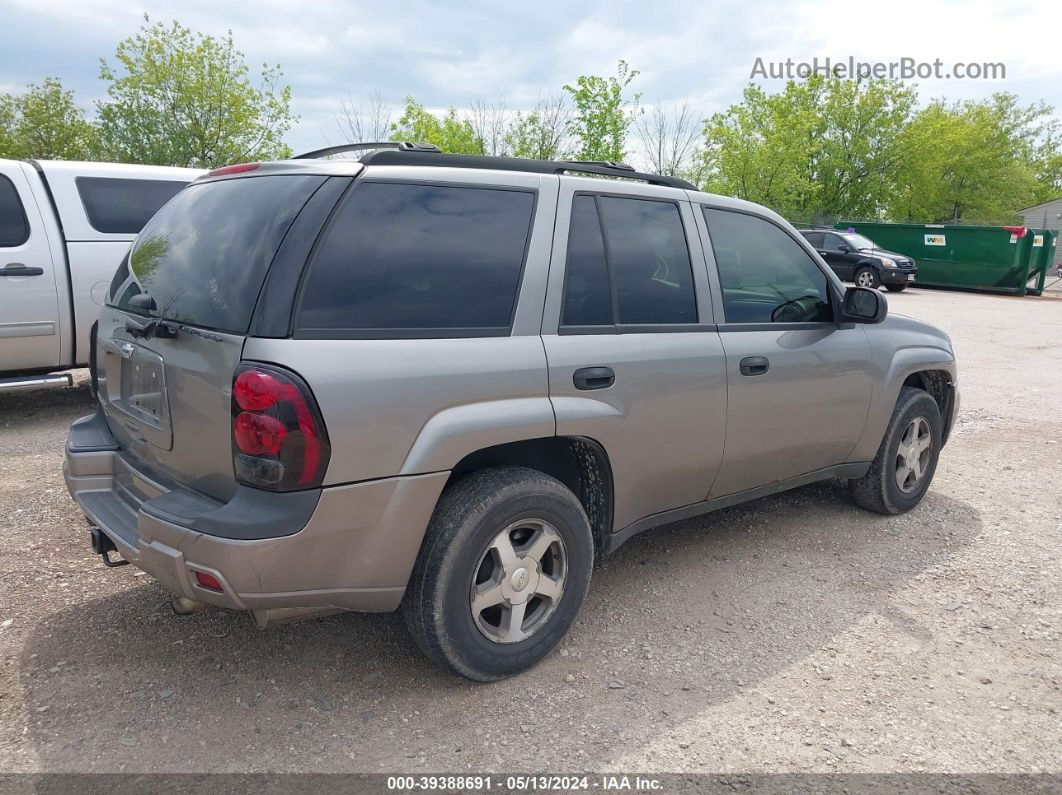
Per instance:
{"type": "Point", "coordinates": [913, 454]}
{"type": "Point", "coordinates": [519, 581]}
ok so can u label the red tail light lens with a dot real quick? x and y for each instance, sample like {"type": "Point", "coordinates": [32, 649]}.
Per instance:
{"type": "Point", "coordinates": [258, 434]}
{"type": "Point", "coordinates": [278, 436]}
{"type": "Point", "coordinates": [255, 390]}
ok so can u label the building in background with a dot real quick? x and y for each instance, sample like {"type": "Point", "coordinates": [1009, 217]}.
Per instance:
{"type": "Point", "coordinates": [1046, 215]}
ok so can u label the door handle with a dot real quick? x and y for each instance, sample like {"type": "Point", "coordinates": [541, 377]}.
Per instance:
{"type": "Point", "coordinates": [754, 365]}
{"type": "Point", "coordinates": [18, 269]}
{"type": "Point", "coordinates": [594, 378]}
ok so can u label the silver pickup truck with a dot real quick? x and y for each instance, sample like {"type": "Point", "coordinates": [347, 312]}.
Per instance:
{"type": "Point", "coordinates": [64, 227]}
{"type": "Point", "coordinates": [448, 384]}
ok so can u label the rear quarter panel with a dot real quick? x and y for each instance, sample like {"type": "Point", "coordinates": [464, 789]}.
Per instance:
{"type": "Point", "coordinates": [412, 406]}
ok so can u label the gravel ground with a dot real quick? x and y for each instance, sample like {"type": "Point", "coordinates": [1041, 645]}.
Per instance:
{"type": "Point", "coordinates": [797, 633]}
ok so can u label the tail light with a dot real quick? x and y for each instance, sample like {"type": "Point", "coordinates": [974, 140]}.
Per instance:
{"type": "Point", "coordinates": [278, 436]}
{"type": "Point", "coordinates": [238, 168]}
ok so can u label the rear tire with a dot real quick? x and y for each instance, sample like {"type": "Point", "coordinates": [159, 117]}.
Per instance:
{"type": "Point", "coordinates": [867, 277]}
{"type": "Point", "coordinates": [903, 468]}
{"type": "Point", "coordinates": [895, 288]}
{"type": "Point", "coordinates": [479, 602]}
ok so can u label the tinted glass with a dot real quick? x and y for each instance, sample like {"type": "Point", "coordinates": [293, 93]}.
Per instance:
{"type": "Point", "coordinates": [401, 256]}
{"type": "Point", "coordinates": [14, 231]}
{"type": "Point", "coordinates": [123, 206]}
{"type": "Point", "coordinates": [649, 261]}
{"type": "Point", "coordinates": [814, 238]}
{"type": "Point", "coordinates": [765, 275]}
{"type": "Point", "coordinates": [831, 243]}
{"type": "Point", "coordinates": [587, 301]}
{"type": "Point", "coordinates": [203, 258]}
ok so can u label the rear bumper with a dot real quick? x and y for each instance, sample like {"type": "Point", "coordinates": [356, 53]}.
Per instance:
{"type": "Point", "coordinates": [341, 548]}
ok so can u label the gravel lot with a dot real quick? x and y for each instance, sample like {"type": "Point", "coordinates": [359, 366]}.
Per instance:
{"type": "Point", "coordinates": [797, 633]}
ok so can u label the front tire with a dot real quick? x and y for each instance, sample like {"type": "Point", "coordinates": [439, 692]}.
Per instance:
{"type": "Point", "coordinates": [867, 277]}
{"type": "Point", "coordinates": [903, 468]}
{"type": "Point", "coordinates": [503, 570]}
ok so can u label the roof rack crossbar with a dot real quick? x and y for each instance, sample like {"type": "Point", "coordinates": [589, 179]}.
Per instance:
{"type": "Point", "coordinates": [404, 146]}
{"type": "Point", "coordinates": [409, 157]}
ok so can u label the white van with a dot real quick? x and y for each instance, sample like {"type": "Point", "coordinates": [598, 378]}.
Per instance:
{"type": "Point", "coordinates": [64, 228]}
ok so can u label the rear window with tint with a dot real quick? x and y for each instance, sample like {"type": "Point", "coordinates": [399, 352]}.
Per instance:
{"type": "Point", "coordinates": [203, 258]}
{"type": "Point", "coordinates": [14, 231]}
{"type": "Point", "coordinates": [418, 260]}
{"type": "Point", "coordinates": [123, 206]}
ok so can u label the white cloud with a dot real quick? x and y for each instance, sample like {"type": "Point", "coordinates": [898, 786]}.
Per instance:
{"type": "Point", "coordinates": [446, 54]}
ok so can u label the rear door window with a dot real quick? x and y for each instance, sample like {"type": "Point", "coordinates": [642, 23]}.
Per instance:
{"type": "Point", "coordinates": [203, 258]}
{"type": "Point", "coordinates": [14, 229]}
{"type": "Point", "coordinates": [123, 206]}
{"type": "Point", "coordinates": [832, 243]}
{"type": "Point", "coordinates": [587, 296]}
{"type": "Point", "coordinates": [404, 259]}
{"type": "Point", "coordinates": [628, 264]}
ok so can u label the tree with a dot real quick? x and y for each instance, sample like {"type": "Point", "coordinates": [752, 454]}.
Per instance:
{"type": "Point", "coordinates": [763, 148]}
{"type": "Point", "coordinates": [972, 161]}
{"type": "Point", "coordinates": [449, 132]}
{"type": "Point", "coordinates": [669, 140]}
{"type": "Point", "coordinates": [860, 144]}
{"type": "Point", "coordinates": [603, 114]}
{"type": "Point", "coordinates": [184, 99]}
{"type": "Point", "coordinates": [489, 121]}
{"type": "Point", "coordinates": [822, 147]}
{"type": "Point", "coordinates": [364, 123]}
{"type": "Point", "coordinates": [45, 122]}
{"type": "Point", "coordinates": [541, 134]}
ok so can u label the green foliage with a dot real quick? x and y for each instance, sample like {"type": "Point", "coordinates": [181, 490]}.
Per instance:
{"type": "Point", "coordinates": [603, 115]}
{"type": "Point", "coordinates": [829, 147]}
{"type": "Point", "coordinates": [763, 148]}
{"type": "Point", "coordinates": [184, 99]}
{"type": "Point", "coordinates": [860, 145]}
{"type": "Point", "coordinates": [821, 145]}
{"type": "Point", "coordinates": [449, 132]}
{"type": "Point", "coordinates": [46, 123]}
{"type": "Point", "coordinates": [974, 161]}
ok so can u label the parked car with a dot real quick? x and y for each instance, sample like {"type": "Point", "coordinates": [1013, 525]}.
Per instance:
{"type": "Point", "coordinates": [448, 384]}
{"type": "Point", "coordinates": [64, 226]}
{"type": "Point", "coordinates": [857, 258]}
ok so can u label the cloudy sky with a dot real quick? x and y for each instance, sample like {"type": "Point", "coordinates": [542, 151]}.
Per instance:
{"type": "Point", "coordinates": [450, 53]}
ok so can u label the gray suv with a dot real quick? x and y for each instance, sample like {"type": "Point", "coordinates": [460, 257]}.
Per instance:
{"type": "Point", "coordinates": [449, 384]}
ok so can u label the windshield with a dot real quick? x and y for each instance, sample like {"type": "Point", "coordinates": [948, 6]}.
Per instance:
{"type": "Point", "coordinates": [857, 241]}
{"type": "Point", "coordinates": [204, 256]}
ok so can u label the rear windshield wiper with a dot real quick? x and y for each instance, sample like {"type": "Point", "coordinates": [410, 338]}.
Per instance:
{"type": "Point", "coordinates": [165, 329]}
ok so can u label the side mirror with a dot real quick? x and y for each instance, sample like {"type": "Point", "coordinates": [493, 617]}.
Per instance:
{"type": "Point", "coordinates": [844, 249]}
{"type": "Point", "coordinates": [863, 305]}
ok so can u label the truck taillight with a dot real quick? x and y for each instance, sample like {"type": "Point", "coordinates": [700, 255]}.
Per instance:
{"type": "Point", "coordinates": [278, 436]}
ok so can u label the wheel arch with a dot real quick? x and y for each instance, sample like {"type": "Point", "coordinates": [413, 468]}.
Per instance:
{"type": "Point", "coordinates": [579, 462]}
{"type": "Point", "coordinates": [921, 366]}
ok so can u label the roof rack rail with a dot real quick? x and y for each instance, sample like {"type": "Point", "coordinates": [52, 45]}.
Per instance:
{"type": "Point", "coordinates": [404, 146]}
{"type": "Point", "coordinates": [606, 163]}
{"type": "Point", "coordinates": [402, 156]}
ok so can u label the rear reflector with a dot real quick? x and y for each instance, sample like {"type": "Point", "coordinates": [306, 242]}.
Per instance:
{"type": "Point", "coordinates": [233, 169]}
{"type": "Point", "coordinates": [208, 581]}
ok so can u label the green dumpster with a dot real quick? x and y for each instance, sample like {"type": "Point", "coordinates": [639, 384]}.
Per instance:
{"type": "Point", "coordinates": [990, 258]}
